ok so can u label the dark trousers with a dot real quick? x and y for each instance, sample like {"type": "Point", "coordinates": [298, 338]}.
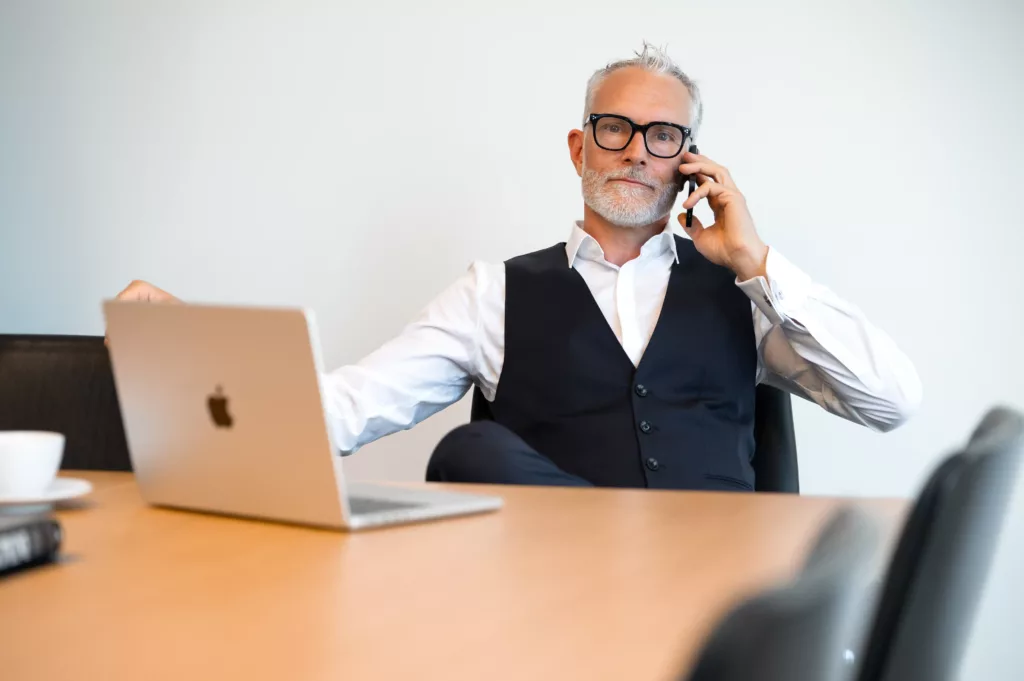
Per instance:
{"type": "Point", "coordinates": [487, 452]}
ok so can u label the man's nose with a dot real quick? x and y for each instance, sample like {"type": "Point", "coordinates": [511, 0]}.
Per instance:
{"type": "Point", "coordinates": [635, 152]}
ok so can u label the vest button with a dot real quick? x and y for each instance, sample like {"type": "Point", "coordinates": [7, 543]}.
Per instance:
{"type": "Point", "coordinates": [641, 390]}
{"type": "Point", "coordinates": [652, 463]}
{"type": "Point", "coordinates": [645, 426]}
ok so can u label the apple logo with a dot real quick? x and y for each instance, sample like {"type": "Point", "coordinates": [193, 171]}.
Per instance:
{"type": "Point", "coordinates": [217, 403]}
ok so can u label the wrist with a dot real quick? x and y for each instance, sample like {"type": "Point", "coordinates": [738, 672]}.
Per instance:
{"type": "Point", "coordinates": [751, 262]}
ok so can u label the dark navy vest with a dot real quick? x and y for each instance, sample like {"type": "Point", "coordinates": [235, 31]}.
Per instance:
{"type": "Point", "coordinates": [682, 419]}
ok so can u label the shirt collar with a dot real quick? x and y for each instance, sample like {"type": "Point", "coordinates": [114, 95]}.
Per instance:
{"type": "Point", "coordinates": [579, 241]}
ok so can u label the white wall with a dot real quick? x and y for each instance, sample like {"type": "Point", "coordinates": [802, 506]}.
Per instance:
{"type": "Point", "coordinates": [356, 159]}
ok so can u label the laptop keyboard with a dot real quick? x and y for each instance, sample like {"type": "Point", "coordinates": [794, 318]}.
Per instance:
{"type": "Point", "coordinates": [362, 505]}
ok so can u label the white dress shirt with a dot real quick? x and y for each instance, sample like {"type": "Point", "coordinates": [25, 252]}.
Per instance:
{"type": "Point", "coordinates": [809, 341]}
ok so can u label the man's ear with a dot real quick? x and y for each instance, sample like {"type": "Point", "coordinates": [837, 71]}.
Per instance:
{"type": "Point", "coordinates": [576, 150]}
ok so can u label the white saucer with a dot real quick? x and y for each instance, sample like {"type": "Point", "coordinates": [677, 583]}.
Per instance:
{"type": "Point", "coordinates": [59, 490]}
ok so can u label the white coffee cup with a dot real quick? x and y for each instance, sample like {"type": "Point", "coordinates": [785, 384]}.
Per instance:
{"type": "Point", "coordinates": [29, 461]}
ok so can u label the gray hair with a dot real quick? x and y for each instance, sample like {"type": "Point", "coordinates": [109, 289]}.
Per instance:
{"type": "Point", "coordinates": [653, 59]}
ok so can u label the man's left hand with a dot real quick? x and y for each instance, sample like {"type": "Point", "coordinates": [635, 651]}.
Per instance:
{"type": "Point", "coordinates": [732, 241]}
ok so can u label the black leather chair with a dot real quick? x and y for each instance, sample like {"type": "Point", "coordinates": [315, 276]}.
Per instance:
{"type": "Point", "coordinates": [938, 570]}
{"type": "Point", "coordinates": [64, 384]}
{"type": "Point", "coordinates": [796, 632]}
{"type": "Point", "coordinates": [775, 461]}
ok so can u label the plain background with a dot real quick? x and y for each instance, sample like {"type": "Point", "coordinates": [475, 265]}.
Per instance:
{"type": "Point", "coordinates": [356, 158]}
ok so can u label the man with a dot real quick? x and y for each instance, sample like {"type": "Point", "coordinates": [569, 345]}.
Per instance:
{"type": "Point", "coordinates": [625, 356]}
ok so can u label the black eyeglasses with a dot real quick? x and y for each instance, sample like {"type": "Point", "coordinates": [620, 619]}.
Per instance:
{"type": "Point", "coordinates": [614, 133]}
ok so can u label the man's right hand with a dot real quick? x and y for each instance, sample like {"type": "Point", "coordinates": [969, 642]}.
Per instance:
{"type": "Point", "coordinates": [146, 292]}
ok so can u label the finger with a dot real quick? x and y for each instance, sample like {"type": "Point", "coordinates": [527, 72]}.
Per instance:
{"type": "Point", "coordinates": [690, 157]}
{"type": "Point", "coordinates": [694, 230]}
{"type": "Point", "coordinates": [126, 292]}
{"type": "Point", "coordinates": [137, 290]}
{"type": "Point", "coordinates": [705, 190]}
{"type": "Point", "coordinates": [695, 163]}
{"type": "Point", "coordinates": [709, 170]}
{"type": "Point", "coordinates": [716, 173]}
{"type": "Point", "coordinates": [701, 177]}
{"type": "Point", "coordinates": [144, 291]}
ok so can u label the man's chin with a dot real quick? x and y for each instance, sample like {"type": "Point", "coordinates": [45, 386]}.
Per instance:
{"type": "Point", "coordinates": [626, 213]}
{"type": "Point", "coordinates": [633, 219]}
{"type": "Point", "coordinates": [630, 222]}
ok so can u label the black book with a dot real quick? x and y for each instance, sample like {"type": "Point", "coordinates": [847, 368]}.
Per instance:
{"type": "Point", "coordinates": [26, 541]}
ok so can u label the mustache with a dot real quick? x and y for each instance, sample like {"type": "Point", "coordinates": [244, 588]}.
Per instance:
{"type": "Point", "coordinates": [635, 175]}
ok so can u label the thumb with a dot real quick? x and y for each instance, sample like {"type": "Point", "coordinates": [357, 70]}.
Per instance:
{"type": "Point", "coordinates": [695, 230]}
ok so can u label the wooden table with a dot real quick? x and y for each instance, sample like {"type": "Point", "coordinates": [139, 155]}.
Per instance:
{"type": "Point", "coordinates": [560, 584]}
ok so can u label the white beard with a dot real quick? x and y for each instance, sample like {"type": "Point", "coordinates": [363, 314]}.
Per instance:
{"type": "Point", "coordinates": [626, 205]}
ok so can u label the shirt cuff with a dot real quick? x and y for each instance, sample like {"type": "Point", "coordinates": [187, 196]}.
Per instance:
{"type": "Point", "coordinates": [781, 292]}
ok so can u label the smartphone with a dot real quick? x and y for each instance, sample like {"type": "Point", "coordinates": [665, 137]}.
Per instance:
{"type": "Point", "coordinates": [692, 181]}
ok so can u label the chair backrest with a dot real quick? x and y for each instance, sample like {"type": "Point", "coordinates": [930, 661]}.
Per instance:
{"type": "Point", "coordinates": [775, 461]}
{"type": "Point", "coordinates": [797, 632]}
{"type": "Point", "coordinates": [938, 570]}
{"type": "Point", "coordinates": [64, 384]}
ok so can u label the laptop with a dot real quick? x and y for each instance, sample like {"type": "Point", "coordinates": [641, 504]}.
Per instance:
{"type": "Point", "coordinates": [223, 412]}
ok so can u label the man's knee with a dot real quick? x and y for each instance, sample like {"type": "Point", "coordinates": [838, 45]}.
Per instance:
{"type": "Point", "coordinates": [463, 453]}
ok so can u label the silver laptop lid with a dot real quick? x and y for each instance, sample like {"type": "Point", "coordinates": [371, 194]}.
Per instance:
{"type": "Point", "coordinates": [223, 411]}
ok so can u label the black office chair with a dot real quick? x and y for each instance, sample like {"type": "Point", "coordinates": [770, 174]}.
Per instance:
{"type": "Point", "coordinates": [775, 462]}
{"type": "Point", "coordinates": [935, 579]}
{"type": "Point", "coordinates": [797, 632]}
{"type": "Point", "coordinates": [64, 384]}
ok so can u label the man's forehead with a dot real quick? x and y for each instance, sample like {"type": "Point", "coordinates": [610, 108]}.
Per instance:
{"type": "Point", "coordinates": [643, 96]}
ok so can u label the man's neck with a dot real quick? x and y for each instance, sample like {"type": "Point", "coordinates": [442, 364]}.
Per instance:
{"type": "Point", "coordinates": [620, 244]}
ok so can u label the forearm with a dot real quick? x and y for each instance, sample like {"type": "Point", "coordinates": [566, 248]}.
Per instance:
{"type": "Point", "coordinates": [821, 347]}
